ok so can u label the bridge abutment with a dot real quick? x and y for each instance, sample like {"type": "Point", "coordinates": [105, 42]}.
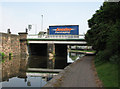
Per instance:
{"type": "Point", "coordinates": [23, 43]}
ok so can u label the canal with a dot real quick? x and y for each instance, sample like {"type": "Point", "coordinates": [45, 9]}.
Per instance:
{"type": "Point", "coordinates": [15, 70]}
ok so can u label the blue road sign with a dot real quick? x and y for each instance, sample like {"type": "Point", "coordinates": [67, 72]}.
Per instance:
{"type": "Point", "coordinates": [64, 30]}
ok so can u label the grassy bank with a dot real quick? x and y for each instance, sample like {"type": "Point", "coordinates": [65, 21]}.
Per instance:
{"type": "Point", "coordinates": [73, 57]}
{"type": "Point", "coordinates": [82, 51]}
{"type": "Point", "coordinates": [108, 74]}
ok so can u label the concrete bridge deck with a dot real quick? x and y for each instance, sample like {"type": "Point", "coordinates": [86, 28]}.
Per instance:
{"type": "Point", "coordinates": [58, 41]}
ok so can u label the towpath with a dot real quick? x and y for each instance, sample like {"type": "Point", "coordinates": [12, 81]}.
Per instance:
{"type": "Point", "coordinates": [80, 74]}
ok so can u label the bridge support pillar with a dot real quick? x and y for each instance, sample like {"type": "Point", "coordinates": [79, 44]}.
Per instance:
{"type": "Point", "coordinates": [51, 48]}
{"type": "Point", "coordinates": [51, 56]}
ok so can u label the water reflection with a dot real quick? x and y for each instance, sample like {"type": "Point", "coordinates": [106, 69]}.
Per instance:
{"type": "Point", "coordinates": [10, 68]}
{"type": "Point", "coordinates": [44, 62]}
{"type": "Point", "coordinates": [19, 82]}
{"type": "Point", "coordinates": [14, 74]}
{"type": "Point", "coordinates": [37, 61]}
{"type": "Point", "coordinates": [14, 70]}
{"type": "Point", "coordinates": [73, 56]}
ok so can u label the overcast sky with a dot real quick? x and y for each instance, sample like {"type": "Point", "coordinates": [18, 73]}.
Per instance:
{"type": "Point", "coordinates": [17, 15]}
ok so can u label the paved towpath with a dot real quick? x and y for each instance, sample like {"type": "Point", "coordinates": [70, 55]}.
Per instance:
{"type": "Point", "coordinates": [80, 74]}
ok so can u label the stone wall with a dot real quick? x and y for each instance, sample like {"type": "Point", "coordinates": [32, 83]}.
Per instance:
{"type": "Point", "coordinates": [10, 43]}
{"type": "Point", "coordinates": [0, 42]}
{"type": "Point", "coordinates": [23, 43]}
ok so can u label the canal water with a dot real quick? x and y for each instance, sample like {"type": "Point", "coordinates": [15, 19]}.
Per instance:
{"type": "Point", "coordinates": [14, 70]}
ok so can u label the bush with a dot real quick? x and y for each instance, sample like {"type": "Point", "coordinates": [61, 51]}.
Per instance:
{"type": "Point", "coordinates": [2, 55]}
{"type": "Point", "coordinates": [115, 59]}
{"type": "Point", "coordinates": [102, 56]}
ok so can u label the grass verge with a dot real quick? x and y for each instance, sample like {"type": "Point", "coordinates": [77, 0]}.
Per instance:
{"type": "Point", "coordinates": [73, 57]}
{"type": "Point", "coordinates": [82, 51]}
{"type": "Point", "coordinates": [108, 74]}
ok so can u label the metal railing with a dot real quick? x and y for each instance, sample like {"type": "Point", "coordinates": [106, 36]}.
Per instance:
{"type": "Point", "coordinates": [55, 36]}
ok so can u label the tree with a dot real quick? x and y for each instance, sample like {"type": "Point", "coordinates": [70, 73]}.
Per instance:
{"type": "Point", "coordinates": [105, 29]}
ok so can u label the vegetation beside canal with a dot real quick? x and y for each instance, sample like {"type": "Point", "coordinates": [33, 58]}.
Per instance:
{"type": "Point", "coordinates": [92, 51]}
{"type": "Point", "coordinates": [3, 57]}
{"type": "Point", "coordinates": [108, 74]}
{"type": "Point", "coordinates": [73, 57]}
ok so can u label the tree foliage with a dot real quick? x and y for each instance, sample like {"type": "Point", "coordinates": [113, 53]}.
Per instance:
{"type": "Point", "coordinates": [104, 32]}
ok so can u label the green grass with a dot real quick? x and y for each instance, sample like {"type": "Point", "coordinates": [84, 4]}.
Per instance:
{"type": "Point", "coordinates": [82, 51]}
{"type": "Point", "coordinates": [2, 54]}
{"type": "Point", "coordinates": [73, 57]}
{"type": "Point", "coordinates": [108, 74]}
{"type": "Point", "coordinates": [3, 60]}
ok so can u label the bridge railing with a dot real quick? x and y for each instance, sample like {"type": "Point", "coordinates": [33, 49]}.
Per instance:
{"type": "Point", "coordinates": [55, 36]}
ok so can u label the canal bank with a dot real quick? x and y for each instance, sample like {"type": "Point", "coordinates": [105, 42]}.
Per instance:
{"type": "Point", "coordinates": [78, 74]}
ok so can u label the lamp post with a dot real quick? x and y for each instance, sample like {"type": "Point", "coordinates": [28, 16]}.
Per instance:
{"type": "Point", "coordinates": [42, 23]}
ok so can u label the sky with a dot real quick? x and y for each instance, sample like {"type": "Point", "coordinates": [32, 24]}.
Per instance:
{"type": "Point", "coordinates": [18, 15]}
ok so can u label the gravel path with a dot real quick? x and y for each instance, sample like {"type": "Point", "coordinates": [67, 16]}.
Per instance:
{"type": "Point", "coordinates": [80, 74]}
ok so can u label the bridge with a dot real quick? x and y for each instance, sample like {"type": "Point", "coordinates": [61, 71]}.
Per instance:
{"type": "Point", "coordinates": [53, 43]}
{"type": "Point", "coordinates": [57, 39]}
